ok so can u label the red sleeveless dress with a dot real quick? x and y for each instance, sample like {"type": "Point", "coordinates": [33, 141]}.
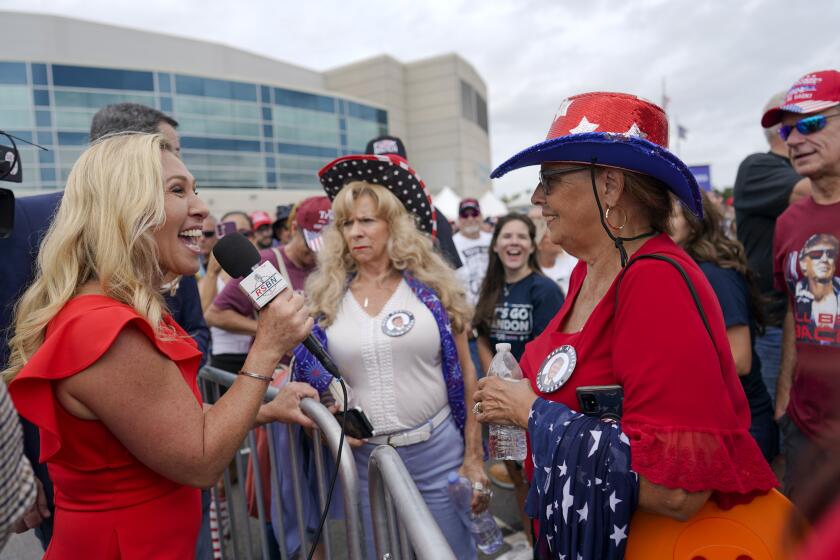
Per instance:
{"type": "Point", "coordinates": [109, 505]}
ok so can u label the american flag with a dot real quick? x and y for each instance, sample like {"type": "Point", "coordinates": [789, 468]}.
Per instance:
{"type": "Point", "coordinates": [583, 493]}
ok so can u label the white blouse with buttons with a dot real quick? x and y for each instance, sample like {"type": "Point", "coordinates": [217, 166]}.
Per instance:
{"type": "Point", "coordinates": [397, 380]}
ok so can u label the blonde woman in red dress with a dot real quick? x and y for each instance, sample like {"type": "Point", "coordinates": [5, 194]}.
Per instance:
{"type": "Point", "coordinates": [98, 364]}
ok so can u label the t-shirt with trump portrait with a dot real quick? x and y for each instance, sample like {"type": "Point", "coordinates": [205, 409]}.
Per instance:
{"type": "Point", "coordinates": [805, 255]}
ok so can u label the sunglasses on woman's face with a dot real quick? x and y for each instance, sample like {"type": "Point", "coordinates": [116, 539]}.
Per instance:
{"type": "Point", "coordinates": [547, 176]}
{"type": "Point", "coordinates": [806, 126]}
{"type": "Point", "coordinates": [209, 233]}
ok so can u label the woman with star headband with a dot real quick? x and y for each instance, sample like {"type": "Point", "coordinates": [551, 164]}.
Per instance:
{"type": "Point", "coordinates": [639, 314]}
{"type": "Point", "coordinates": [393, 317]}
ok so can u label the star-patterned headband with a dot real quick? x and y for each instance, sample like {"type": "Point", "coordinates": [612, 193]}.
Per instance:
{"type": "Point", "coordinates": [392, 172]}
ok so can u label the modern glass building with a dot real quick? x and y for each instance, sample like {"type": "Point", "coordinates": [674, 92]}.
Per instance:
{"type": "Point", "coordinates": [246, 121]}
{"type": "Point", "coordinates": [233, 134]}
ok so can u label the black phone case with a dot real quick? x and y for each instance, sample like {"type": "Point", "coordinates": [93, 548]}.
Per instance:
{"type": "Point", "coordinates": [601, 401]}
{"type": "Point", "coordinates": [358, 425]}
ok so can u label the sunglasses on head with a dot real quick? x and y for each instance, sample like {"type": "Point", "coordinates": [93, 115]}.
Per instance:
{"type": "Point", "coordinates": [817, 254]}
{"type": "Point", "coordinates": [806, 126]}
{"type": "Point", "coordinates": [547, 176]}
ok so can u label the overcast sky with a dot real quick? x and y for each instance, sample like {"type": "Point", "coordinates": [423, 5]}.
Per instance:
{"type": "Point", "coordinates": [720, 60]}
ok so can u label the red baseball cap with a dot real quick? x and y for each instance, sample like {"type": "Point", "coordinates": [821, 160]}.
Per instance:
{"type": "Point", "coordinates": [314, 214]}
{"type": "Point", "coordinates": [811, 93]}
{"type": "Point", "coordinates": [469, 204]}
{"type": "Point", "coordinates": [260, 218]}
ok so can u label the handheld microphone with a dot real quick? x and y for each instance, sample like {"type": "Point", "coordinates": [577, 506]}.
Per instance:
{"type": "Point", "coordinates": [261, 283]}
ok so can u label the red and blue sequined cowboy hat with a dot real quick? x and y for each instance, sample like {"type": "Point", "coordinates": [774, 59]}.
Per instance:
{"type": "Point", "coordinates": [613, 130]}
{"type": "Point", "coordinates": [392, 172]}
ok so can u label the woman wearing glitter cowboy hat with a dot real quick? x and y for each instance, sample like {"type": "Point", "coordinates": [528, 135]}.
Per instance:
{"type": "Point", "coordinates": [393, 316]}
{"type": "Point", "coordinates": [639, 314]}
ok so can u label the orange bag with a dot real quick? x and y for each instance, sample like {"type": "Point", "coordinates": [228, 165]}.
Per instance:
{"type": "Point", "coordinates": [752, 531]}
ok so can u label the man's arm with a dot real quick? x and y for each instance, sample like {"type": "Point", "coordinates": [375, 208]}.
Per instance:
{"type": "Point", "coordinates": [230, 320]}
{"type": "Point", "coordinates": [788, 364]}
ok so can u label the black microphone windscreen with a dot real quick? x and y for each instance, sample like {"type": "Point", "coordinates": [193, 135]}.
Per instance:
{"type": "Point", "coordinates": [236, 255]}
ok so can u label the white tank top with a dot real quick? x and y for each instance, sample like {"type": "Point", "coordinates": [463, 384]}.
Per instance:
{"type": "Point", "coordinates": [397, 380]}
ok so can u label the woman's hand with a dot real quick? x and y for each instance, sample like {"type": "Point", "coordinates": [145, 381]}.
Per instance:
{"type": "Point", "coordinates": [285, 407]}
{"type": "Point", "coordinates": [473, 470]}
{"type": "Point", "coordinates": [499, 401]}
{"type": "Point", "coordinates": [282, 325]}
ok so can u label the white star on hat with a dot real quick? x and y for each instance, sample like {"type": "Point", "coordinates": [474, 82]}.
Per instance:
{"type": "Point", "coordinates": [584, 126]}
{"type": "Point", "coordinates": [634, 130]}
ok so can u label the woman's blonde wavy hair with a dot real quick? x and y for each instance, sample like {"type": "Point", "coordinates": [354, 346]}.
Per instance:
{"type": "Point", "coordinates": [103, 230]}
{"type": "Point", "coordinates": [409, 251]}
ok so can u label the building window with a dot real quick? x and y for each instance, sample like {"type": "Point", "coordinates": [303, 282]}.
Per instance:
{"type": "Point", "coordinates": [313, 151]}
{"type": "Point", "coordinates": [43, 119]}
{"type": "Point", "coordinates": [304, 100]}
{"type": "Point", "coordinates": [41, 97]}
{"type": "Point", "coordinates": [188, 142]}
{"type": "Point", "coordinates": [102, 78]}
{"type": "Point", "coordinates": [73, 138]}
{"type": "Point", "coordinates": [47, 174]}
{"type": "Point", "coordinates": [12, 73]}
{"type": "Point", "coordinates": [165, 83]}
{"type": "Point", "coordinates": [39, 74]}
{"type": "Point", "coordinates": [473, 106]}
{"type": "Point", "coordinates": [166, 104]}
{"type": "Point", "coordinates": [208, 87]}
{"type": "Point", "coordinates": [46, 157]}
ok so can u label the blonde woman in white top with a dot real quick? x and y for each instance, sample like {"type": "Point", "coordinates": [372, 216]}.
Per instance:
{"type": "Point", "coordinates": [394, 319]}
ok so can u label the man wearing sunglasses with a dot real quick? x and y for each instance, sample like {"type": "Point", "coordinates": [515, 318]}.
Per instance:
{"type": "Point", "coordinates": [805, 256]}
{"type": "Point", "coordinates": [765, 186]}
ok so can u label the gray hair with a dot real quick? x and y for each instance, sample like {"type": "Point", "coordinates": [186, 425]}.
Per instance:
{"type": "Point", "coordinates": [127, 117]}
{"type": "Point", "coordinates": [775, 101]}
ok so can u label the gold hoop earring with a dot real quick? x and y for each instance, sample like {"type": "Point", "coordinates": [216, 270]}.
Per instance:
{"type": "Point", "coordinates": [607, 217]}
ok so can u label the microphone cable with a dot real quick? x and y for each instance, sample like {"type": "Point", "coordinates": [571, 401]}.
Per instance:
{"type": "Point", "coordinates": [326, 511]}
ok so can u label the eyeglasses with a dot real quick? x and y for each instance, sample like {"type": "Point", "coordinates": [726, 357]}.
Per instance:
{"type": "Point", "coordinates": [209, 233]}
{"type": "Point", "coordinates": [547, 176]}
{"type": "Point", "coordinates": [469, 213]}
{"type": "Point", "coordinates": [806, 126]}
{"type": "Point", "coordinates": [817, 254]}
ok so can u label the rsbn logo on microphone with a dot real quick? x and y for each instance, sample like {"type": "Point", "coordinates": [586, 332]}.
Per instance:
{"type": "Point", "coordinates": [263, 284]}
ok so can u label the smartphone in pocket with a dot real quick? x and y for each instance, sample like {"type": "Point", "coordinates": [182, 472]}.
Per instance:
{"type": "Point", "coordinates": [358, 425]}
{"type": "Point", "coordinates": [601, 401]}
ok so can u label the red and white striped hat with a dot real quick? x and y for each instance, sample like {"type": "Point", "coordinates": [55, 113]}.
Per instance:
{"type": "Point", "coordinates": [811, 93]}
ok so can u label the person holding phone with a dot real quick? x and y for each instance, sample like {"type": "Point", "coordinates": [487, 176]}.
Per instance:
{"type": "Point", "coordinates": [606, 179]}
{"type": "Point", "coordinates": [394, 319]}
{"type": "Point", "coordinates": [110, 379]}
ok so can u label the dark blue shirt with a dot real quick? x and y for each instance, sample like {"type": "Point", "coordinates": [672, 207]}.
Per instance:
{"type": "Point", "coordinates": [524, 311]}
{"type": "Point", "coordinates": [733, 294]}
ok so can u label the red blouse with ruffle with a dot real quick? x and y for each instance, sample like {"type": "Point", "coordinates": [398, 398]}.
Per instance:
{"type": "Point", "coordinates": [684, 408]}
{"type": "Point", "coordinates": [108, 503]}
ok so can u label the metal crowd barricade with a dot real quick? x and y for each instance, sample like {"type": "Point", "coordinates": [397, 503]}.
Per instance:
{"type": "Point", "coordinates": [402, 523]}
{"type": "Point", "coordinates": [211, 380]}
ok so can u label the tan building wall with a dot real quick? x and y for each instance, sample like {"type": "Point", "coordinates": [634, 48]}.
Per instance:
{"type": "Point", "coordinates": [423, 100]}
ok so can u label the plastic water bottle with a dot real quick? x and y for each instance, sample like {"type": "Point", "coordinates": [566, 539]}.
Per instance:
{"type": "Point", "coordinates": [506, 442]}
{"type": "Point", "coordinates": [487, 535]}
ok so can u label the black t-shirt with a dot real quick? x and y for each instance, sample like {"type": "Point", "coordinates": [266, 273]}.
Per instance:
{"type": "Point", "coordinates": [524, 311]}
{"type": "Point", "coordinates": [733, 295]}
{"type": "Point", "coordinates": [762, 191]}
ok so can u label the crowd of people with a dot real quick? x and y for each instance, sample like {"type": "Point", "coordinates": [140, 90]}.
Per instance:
{"type": "Point", "coordinates": [720, 336]}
